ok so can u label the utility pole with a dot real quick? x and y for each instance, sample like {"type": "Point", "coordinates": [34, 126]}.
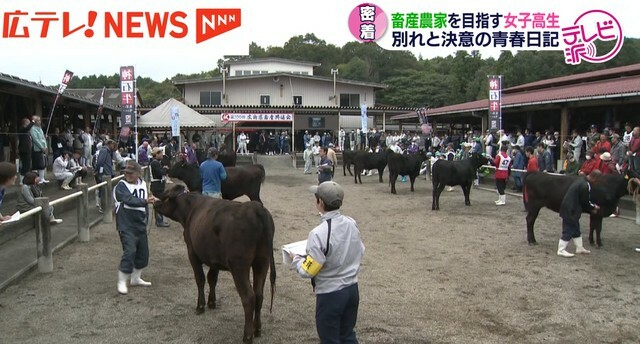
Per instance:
{"type": "Point", "coordinates": [224, 70]}
{"type": "Point", "coordinates": [334, 72]}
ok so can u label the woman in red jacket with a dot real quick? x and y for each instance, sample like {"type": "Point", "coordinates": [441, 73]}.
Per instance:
{"type": "Point", "coordinates": [532, 163]}
{"type": "Point", "coordinates": [502, 162]}
{"type": "Point", "coordinates": [589, 165]}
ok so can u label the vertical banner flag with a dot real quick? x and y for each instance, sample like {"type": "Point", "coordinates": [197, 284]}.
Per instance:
{"type": "Point", "coordinates": [175, 121]}
{"type": "Point", "coordinates": [495, 102]}
{"type": "Point", "coordinates": [68, 75]}
{"type": "Point", "coordinates": [96, 125]}
{"type": "Point", "coordinates": [363, 116]}
{"type": "Point", "coordinates": [424, 120]}
{"type": "Point", "coordinates": [127, 95]}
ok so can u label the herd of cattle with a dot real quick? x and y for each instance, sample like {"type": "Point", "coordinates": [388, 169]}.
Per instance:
{"type": "Point", "coordinates": [238, 237]}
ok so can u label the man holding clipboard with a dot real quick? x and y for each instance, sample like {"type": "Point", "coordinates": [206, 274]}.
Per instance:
{"type": "Point", "coordinates": [334, 252]}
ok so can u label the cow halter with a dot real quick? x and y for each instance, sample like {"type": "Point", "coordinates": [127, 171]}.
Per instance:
{"type": "Point", "coordinates": [184, 192]}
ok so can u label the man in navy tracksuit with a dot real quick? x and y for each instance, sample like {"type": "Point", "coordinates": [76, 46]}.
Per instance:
{"type": "Point", "coordinates": [132, 214]}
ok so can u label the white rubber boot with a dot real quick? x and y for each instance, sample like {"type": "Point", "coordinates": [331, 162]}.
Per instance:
{"type": "Point", "coordinates": [136, 280]}
{"type": "Point", "coordinates": [122, 283]}
{"type": "Point", "coordinates": [562, 249]}
{"type": "Point", "coordinates": [579, 248]}
{"type": "Point", "coordinates": [502, 200]}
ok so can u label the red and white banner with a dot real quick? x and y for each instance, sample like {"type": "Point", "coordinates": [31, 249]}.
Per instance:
{"type": "Point", "coordinates": [256, 117]}
{"type": "Point", "coordinates": [68, 75]}
{"type": "Point", "coordinates": [65, 81]}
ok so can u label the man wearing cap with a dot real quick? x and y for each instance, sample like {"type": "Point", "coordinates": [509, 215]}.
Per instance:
{"type": "Point", "coordinates": [334, 252]}
{"type": "Point", "coordinates": [212, 173]}
{"type": "Point", "coordinates": [131, 199]}
{"type": "Point", "coordinates": [158, 178]}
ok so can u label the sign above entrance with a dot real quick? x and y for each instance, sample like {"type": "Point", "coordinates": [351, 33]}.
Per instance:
{"type": "Point", "coordinates": [256, 117]}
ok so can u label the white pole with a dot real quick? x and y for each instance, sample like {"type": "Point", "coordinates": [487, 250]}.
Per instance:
{"type": "Point", "coordinates": [135, 120]}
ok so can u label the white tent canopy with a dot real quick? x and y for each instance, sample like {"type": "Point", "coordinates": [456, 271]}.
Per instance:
{"type": "Point", "coordinates": [160, 117]}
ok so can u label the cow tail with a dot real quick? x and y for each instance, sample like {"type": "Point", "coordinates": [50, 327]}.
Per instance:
{"type": "Point", "coordinates": [270, 227]}
{"type": "Point", "coordinates": [525, 193]}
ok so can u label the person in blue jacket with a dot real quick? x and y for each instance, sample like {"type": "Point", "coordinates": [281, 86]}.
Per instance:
{"type": "Point", "coordinates": [518, 164]}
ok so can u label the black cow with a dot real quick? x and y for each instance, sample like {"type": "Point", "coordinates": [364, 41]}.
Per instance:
{"type": "Point", "coordinates": [547, 190]}
{"type": "Point", "coordinates": [228, 236]}
{"type": "Point", "coordinates": [369, 161]}
{"type": "Point", "coordinates": [348, 159]}
{"type": "Point", "coordinates": [457, 172]}
{"type": "Point", "coordinates": [226, 156]}
{"type": "Point", "coordinates": [404, 165]}
{"type": "Point", "coordinates": [241, 180]}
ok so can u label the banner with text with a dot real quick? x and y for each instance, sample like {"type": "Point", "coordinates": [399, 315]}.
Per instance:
{"type": "Point", "coordinates": [495, 102]}
{"type": "Point", "coordinates": [363, 116]}
{"type": "Point", "coordinates": [175, 121]}
{"type": "Point", "coordinates": [256, 117]}
{"type": "Point", "coordinates": [128, 96]}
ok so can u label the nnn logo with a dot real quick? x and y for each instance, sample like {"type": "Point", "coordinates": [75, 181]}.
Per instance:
{"type": "Point", "coordinates": [213, 22]}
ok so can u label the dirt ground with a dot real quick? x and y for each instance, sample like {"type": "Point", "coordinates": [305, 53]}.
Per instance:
{"type": "Point", "coordinates": [460, 275]}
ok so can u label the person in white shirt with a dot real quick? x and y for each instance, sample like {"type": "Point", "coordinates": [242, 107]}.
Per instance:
{"type": "Point", "coordinates": [242, 144]}
{"type": "Point", "coordinates": [79, 166]}
{"type": "Point", "coordinates": [315, 151]}
{"type": "Point", "coordinates": [520, 140]}
{"type": "Point", "coordinates": [502, 139]}
{"type": "Point", "coordinates": [576, 144]}
{"type": "Point", "coordinates": [87, 143]}
{"type": "Point", "coordinates": [341, 137]}
{"type": "Point", "coordinates": [488, 141]}
{"type": "Point", "coordinates": [435, 143]}
{"type": "Point", "coordinates": [308, 158]}
{"type": "Point", "coordinates": [121, 161]}
{"type": "Point", "coordinates": [627, 135]}
{"type": "Point", "coordinates": [61, 170]}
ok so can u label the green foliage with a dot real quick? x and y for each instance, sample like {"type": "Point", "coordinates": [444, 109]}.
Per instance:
{"type": "Point", "coordinates": [412, 81]}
